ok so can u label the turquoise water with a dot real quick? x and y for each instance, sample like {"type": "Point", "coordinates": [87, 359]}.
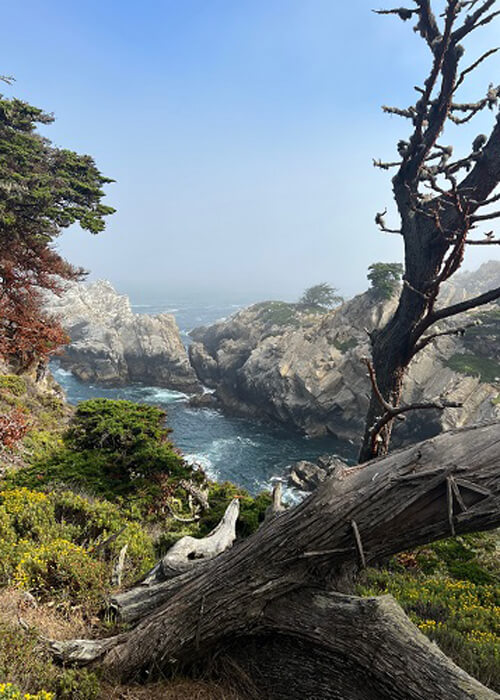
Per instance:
{"type": "Point", "coordinates": [247, 452]}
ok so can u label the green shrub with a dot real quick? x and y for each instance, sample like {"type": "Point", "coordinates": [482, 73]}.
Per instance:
{"type": "Point", "coordinates": [60, 566]}
{"type": "Point", "coordinates": [63, 544]}
{"type": "Point", "coordinates": [12, 384]}
{"type": "Point", "coordinates": [115, 425]}
{"type": "Point", "coordinates": [115, 449]}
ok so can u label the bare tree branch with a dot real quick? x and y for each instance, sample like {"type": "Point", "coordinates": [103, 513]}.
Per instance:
{"type": "Point", "coordinates": [473, 66]}
{"type": "Point", "coordinates": [439, 334]}
{"type": "Point", "coordinates": [404, 13]}
{"type": "Point", "coordinates": [466, 305]}
{"type": "Point", "coordinates": [485, 217]}
{"type": "Point", "coordinates": [473, 21]}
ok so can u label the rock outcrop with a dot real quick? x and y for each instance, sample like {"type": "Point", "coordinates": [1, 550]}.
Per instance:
{"type": "Point", "coordinates": [112, 345]}
{"type": "Point", "coordinates": [307, 476]}
{"type": "Point", "coordinates": [305, 370]}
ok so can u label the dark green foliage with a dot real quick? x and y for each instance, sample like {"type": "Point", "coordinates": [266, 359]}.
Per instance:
{"type": "Point", "coordinates": [114, 449]}
{"type": "Point", "coordinates": [121, 426]}
{"type": "Point", "coordinates": [43, 188]}
{"type": "Point", "coordinates": [130, 438]}
{"type": "Point", "coordinates": [322, 296]}
{"type": "Point", "coordinates": [385, 278]}
{"type": "Point", "coordinates": [486, 369]}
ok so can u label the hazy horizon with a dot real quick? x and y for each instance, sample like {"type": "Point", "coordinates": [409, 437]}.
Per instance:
{"type": "Point", "coordinates": [241, 135]}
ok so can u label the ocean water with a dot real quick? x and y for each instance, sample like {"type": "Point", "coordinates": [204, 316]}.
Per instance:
{"type": "Point", "coordinates": [249, 453]}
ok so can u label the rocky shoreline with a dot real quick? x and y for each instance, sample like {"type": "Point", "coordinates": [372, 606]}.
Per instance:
{"type": "Point", "coordinates": [274, 362]}
{"type": "Point", "coordinates": [111, 345]}
{"type": "Point", "coordinates": [284, 363]}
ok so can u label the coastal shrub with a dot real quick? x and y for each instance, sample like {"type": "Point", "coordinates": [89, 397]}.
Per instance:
{"type": "Point", "coordinates": [25, 409]}
{"type": "Point", "coordinates": [450, 591]}
{"type": "Point", "coordinates": [278, 313]}
{"type": "Point", "coordinates": [31, 513]}
{"type": "Point", "coordinates": [59, 566]}
{"type": "Point", "coordinates": [115, 425]}
{"type": "Point", "coordinates": [115, 449]}
{"type": "Point", "coordinates": [12, 384]}
{"type": "Point", "coordinates": [10, 692]}
{"type": "Point", "coordinates": [63, 544]}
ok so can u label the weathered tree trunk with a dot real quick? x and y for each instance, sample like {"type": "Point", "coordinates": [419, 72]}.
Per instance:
{"type": "Point", "coordinates": [435, 221]}
{"type": "Point", "coordinates": [282, 594]}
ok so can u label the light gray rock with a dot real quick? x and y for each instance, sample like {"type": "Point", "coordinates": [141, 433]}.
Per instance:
{"type": "Point", "coordinates": [112, 345]}
{"type": "Point", "coordinates": [306, 370]}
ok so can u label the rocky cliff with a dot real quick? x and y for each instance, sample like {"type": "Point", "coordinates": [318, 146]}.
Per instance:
{"type": "Point", "coordinates": [274, 360]}
{"type": "Point", "coordinates": [112, 345]}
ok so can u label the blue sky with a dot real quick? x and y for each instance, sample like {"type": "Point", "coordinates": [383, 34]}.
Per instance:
{"type": "Point", "coordinates": [240, 133]}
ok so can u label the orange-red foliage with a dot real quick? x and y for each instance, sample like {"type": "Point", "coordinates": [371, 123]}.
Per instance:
{"type": "Point", "coordinates": [27, 335]}
{"type": "Point", "coordinates": [13, 427]}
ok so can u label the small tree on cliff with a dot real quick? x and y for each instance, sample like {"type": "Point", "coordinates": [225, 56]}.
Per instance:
{"type": "Point", "coordinates": [321, 296]}
{"type": "Point", "coordinates": [43, 190]}
{"type": "Point", "coordinates": [385, 278]}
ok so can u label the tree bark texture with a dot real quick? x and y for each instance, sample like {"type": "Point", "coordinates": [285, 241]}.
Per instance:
{"type": "Point", "coordinates": [279, 601]}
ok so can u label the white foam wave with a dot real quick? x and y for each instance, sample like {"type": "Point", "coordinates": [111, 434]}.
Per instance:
{"type": "Point", "coordinates": [166, 395]}
{"type": "Point", "coordinates": [204, 462]}
{"type": "Point", "coordinates": [61, 372]}
{"type": "Point", "coordinates": [209, 413]}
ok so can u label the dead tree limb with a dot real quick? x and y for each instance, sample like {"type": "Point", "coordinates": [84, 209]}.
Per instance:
{"type": "Point", "coordinates": [189, 551]}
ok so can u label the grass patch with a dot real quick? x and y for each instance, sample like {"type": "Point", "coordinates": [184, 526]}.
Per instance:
{"type": "Point", "coordinates": [346, 345]}
{"type": "Point", "coordinates": [278, 313]}
{"type": "Point", "coordinates": [483, 367]}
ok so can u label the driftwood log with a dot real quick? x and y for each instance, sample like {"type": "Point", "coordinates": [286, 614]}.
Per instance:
{"type": "Point", "coordinates": [189, 551]}
{"type": "Point", "coordinates": [279, 605]}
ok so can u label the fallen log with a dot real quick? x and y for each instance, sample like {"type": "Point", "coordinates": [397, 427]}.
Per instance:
{"type": "Point", "coordinates": [287, 586]}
